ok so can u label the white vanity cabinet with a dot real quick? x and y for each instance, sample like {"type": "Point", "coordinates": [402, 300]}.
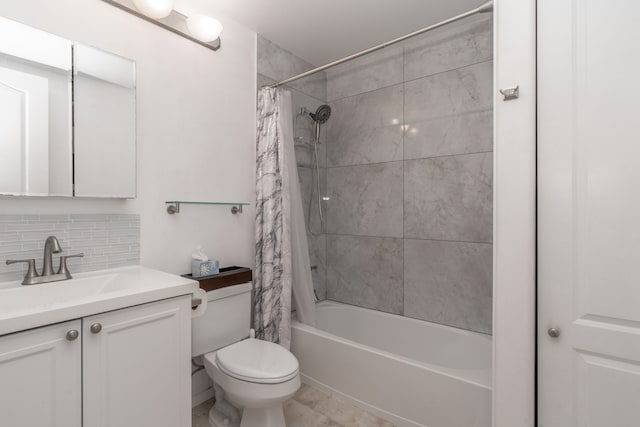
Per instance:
{"type": "Point", "coordinates": [128, 367]}
{"type": "Point", "coordinates": [137, 366]}
{"type": "Point", "coordinates": [40, 377]}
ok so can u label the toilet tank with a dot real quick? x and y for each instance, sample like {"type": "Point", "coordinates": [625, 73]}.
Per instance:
{"type": "Point", "coordinates": [226, 320]}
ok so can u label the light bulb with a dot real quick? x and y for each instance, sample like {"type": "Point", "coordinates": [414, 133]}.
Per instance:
{"type": "Point", "coordinates": [204, 28]}
{"type": "Point", "coordinates": [156, 9]}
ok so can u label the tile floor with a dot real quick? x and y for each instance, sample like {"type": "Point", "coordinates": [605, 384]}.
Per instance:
{"type": "Point", "coordinates": [310, 408]}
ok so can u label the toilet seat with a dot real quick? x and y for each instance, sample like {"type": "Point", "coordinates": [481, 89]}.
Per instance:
{"type": "Point", "coordinates": [257, 361]}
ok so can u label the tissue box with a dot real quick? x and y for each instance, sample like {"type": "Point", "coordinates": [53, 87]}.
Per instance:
{"type": "Point", "coordinates": [204, 268]}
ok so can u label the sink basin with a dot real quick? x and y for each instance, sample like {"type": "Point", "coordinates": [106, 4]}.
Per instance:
{"type": "Point", "coordinates": [28, 306]}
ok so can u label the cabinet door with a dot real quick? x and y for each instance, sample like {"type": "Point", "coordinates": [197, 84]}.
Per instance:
{"type": "Point", "coordinates": [137, 366]}
{"type": "Point", "coordinates": [104, 105]}
{"type": "Point", "coordinates": [40, 383]}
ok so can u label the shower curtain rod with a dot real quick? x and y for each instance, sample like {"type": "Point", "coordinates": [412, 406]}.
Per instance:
{"type": "Point", "coordinates": [485, 8]}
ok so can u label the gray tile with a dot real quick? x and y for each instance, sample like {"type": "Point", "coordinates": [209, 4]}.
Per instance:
{"type": "Point", "coordinates": [310, 396]}
{"type": "Point", "coordinates": [448, 48]}
{"type": "Point", "coordinates": [365, 200]}
{"type": "Point", "coordinates": [93, 234]}
{"type": "Point", "coordinates": [309, 191]}
{"type": "Point", "coordinates": [449, 198]}
{"type": "Point", "coordinates": [461, 134]}
{"type": "Point", "coordinates": [365, 271]}
{"type": "Point", "coordinates": [200, 414]}
{"type": "Point", "coordinates": [263, 80]}
{"type": "Point", "coordinates": [304, 175]}
{"type": "Point", "coordinates": [314, 85]}
{"type": "Point", "coordinates": [366, 128]}
{"type": "Point", "coordinates": [371, 72]}
{"type": "Point", "coordinates": [279, 64]}
{"type": "Point", "coordinates": [298, 415]}
{"type": "Point", "coordinates": [449, 283]}
{"type": "Point", "coordinates": [318, 258]}
{"type": "Point", "coordinates": [450, 93]}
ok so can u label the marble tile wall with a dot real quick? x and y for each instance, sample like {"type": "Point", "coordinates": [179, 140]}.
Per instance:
{"type": "Point", "coordinates": [409, 177]}
{"type": "Point", "coordinates": [275, 64]}
{"type": "Point", "coordinates": [107, 241]}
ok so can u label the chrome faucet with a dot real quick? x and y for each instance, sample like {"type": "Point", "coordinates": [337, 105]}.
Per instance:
{"type": "Point", "coordinates": [51, 246]}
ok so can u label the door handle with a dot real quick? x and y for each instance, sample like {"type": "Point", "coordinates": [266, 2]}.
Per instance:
{"type": "Point", "coordinates": [553, 332]}
{"type": "Point", "coordinates": [95, 328]}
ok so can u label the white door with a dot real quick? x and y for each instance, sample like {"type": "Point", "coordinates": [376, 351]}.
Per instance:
{"type": "Point", "coordinates": [589, 213]}
{"type": "Point", "coordinates": [40, 383]}
{"type": "Point", "coordinates": [137, 366]}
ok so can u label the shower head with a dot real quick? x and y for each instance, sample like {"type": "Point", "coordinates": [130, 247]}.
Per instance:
{"type": "Point", "coordinates": [322, 114]}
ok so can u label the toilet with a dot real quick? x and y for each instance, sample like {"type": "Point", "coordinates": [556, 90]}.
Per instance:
{"type": "Point", "coordinates": [252, 378]}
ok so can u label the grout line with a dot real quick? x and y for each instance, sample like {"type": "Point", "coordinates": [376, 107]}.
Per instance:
{"type": "Point", "coordinates": [409, 238]}
{"type": "Point", "coordinates": [410, 81]}
{"type": "Point", "coordinates": [409, 160]}
{"type": "Point", "coordinates": [404, 140]}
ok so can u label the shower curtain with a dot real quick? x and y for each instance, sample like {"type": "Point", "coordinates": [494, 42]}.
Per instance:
{"type": "Point", "coordinates": [282, 256]}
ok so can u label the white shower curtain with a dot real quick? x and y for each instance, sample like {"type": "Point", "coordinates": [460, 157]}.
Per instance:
{"type": "Point", "coordinates": [282, 255]}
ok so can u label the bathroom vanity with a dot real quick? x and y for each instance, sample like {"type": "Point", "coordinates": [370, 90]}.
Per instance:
{"type": "Point", "coordinates": [106, 349]}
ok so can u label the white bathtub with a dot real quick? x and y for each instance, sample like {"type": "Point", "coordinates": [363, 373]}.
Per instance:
{"type": "Point", "coordinates": [410, 372]}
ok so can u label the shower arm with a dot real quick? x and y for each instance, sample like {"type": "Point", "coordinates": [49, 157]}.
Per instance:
{"type": "Point", "coordinates": [485, 8]}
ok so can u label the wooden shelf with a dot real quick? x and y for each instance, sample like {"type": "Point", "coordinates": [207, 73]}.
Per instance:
{"type": "Point", "coordinates": [228, 276]}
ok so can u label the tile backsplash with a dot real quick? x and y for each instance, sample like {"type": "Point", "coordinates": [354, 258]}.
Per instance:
{"type": "Point", "coordinates": [107, 241]}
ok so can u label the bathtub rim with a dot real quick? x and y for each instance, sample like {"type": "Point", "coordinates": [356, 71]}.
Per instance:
{"type": "Point", "coordinates": [443, 370]}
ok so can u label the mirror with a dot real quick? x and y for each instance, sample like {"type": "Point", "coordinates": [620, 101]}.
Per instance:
{"type": "Point", "coordinates": [67, 117]}
{"type": "Point", "coordinates": [35, 112]}
{"type": "Point", "coordinates": [105, 124]}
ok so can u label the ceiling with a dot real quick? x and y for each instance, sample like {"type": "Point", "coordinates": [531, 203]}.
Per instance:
{"type": "Point", "coordinates": [320, 31]}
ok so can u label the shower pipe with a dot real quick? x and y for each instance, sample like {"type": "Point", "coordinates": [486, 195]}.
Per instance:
{"type": "Point", "coordinates": [485, 8]}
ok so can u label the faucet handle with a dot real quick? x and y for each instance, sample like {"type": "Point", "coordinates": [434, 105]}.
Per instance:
{"type": "Point", "coordinates": [31, 271]}
{"type": "Point", "coordinates": [63, 264]}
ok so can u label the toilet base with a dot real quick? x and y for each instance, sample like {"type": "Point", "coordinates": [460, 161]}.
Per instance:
{"type": "Point", "coordinates": [218, 419]}
{"type": "Point", "coordinates": [272, 416]}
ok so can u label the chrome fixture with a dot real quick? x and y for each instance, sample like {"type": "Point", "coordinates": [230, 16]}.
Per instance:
{"type": "Point", "coordinates": [72, 335]}
{"type": "Point", "coordinates": [174, 206]}
{"type": "Point", "coordinates": [51, 246]}
{"type": "Point", "coordinates": [485, 8]}
{"type": "Point", "coordinates": [320, 117]}
{"type": "Point", "coordinates": [511, 93]}
{"type": "Point", "coordinates": [95, 328]}
{"type": "Point", "coordinates": [200, 29]}
{"type": "Point", "coordinates": [554, 332]}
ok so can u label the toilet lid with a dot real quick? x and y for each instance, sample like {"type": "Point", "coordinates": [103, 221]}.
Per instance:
{"type": "Point", "coordinates": [257, 361]}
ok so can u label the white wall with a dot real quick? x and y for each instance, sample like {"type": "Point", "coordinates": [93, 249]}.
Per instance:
{"type": "Point", "coordinates": [196, 130]}
{"type": "Point", "coordinates": [514, 269]}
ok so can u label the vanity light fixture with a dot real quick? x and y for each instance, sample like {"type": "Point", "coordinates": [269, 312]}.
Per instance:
{"type": "Point", "coordinates": [156, 9]}
{"type": "Point", "coordinates": [204, 28]}
{"type": "Point", "coordinates": [201, 29]}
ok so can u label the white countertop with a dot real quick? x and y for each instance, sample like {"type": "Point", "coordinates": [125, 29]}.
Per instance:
{"type": "Point", "coordinates": [29, 306]}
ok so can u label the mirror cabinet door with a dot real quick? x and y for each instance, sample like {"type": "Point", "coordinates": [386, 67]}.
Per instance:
{"type": "Point", "coordinates": [104, 124]}
{"type": "Point", "coordinates": [35, 112]}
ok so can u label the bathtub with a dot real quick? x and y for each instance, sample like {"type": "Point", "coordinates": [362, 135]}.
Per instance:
{"type": "Point", "coordinates": [410, 372]}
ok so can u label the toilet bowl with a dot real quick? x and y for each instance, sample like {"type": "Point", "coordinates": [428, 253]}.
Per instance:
{"type": "Point", "coordinates": [252, 378]}
{"type": "Point", "coordinates": [257, 376]}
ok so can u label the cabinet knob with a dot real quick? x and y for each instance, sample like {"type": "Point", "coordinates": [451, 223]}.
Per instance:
{"type": "Point", "coordinates": [95, 328]}
{"type": "Point", "coordinates": [72, 335]}
{"type": "Point", "coordinates": [554, 332]}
